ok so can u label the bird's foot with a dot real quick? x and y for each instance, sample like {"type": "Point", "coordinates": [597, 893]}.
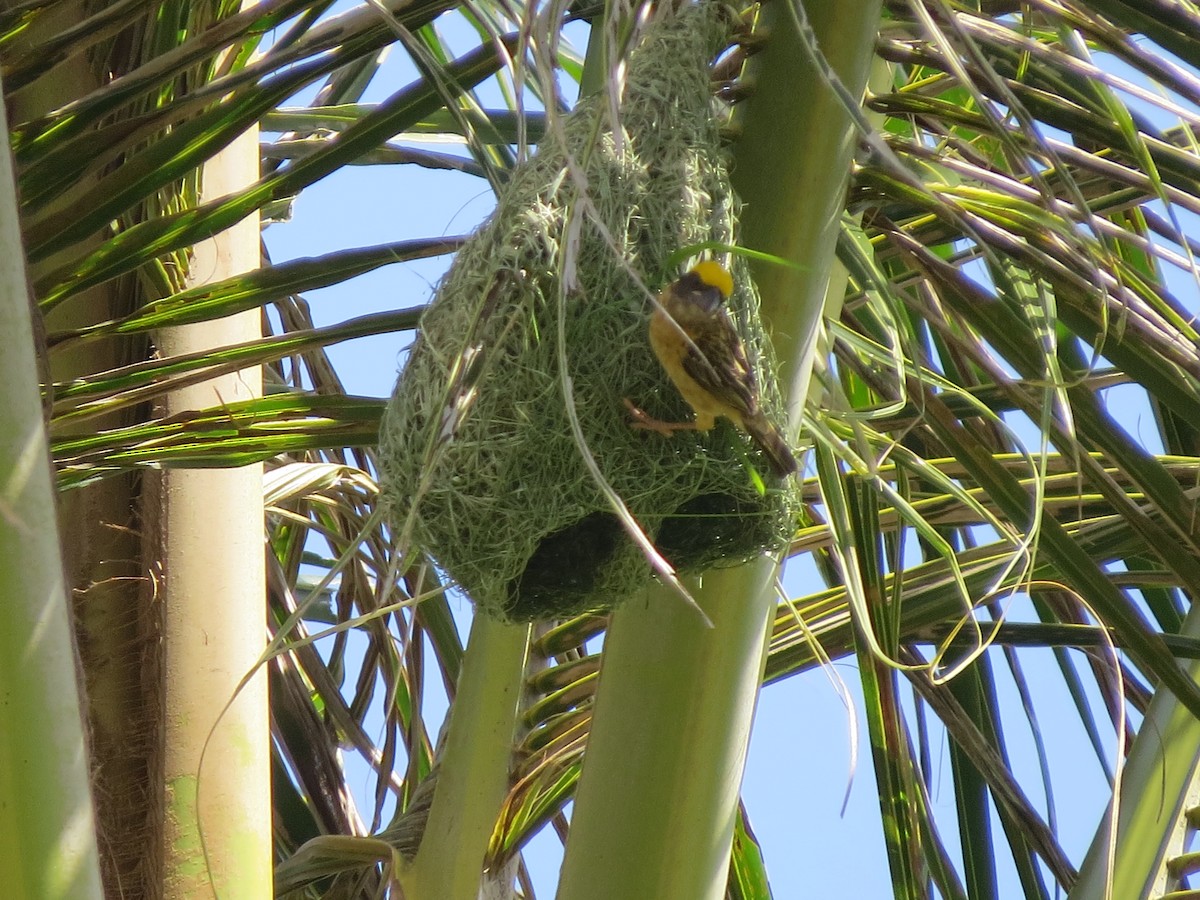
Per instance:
{"type": "Point", "coordinates": [643, 420]}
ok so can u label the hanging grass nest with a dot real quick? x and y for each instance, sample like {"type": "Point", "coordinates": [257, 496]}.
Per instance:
{"type": "Point", "coordinates": [480, 463]}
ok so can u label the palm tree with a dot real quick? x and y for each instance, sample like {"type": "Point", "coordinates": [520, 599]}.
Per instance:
{"type": "Point", "coordinates": [976, 262]}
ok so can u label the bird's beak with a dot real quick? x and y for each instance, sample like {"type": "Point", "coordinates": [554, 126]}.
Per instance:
{"type": "Point", "coordinates": [708, 299]}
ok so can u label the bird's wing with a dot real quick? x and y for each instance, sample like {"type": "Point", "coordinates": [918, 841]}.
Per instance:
{"type": "Point", "coordinates": [716, 360]}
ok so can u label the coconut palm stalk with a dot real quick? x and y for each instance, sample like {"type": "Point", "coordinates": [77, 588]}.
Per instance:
{"type": "Point", "coordinates": [47, 827]}
{"type": "Point", "coordinates": [474, 765]}
{"type": "Point", "coordinates": [671, 726]}
{"type": "Point", "coordinates": [217, 796]}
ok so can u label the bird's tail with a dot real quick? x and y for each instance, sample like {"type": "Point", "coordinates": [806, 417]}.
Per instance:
{"type": "Point", "coordinates": [772, 443]}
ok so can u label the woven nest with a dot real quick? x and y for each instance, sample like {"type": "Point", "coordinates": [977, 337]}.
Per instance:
{"type": "Point", "coordinates": [480, 463]}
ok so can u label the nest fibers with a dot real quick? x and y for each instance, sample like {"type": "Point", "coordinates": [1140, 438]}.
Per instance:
{"type": "Point", "coordinates": [478, 436]}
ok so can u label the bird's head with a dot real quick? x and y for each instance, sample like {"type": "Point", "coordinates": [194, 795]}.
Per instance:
{"type": "Point", "coordinates": [707, 285]}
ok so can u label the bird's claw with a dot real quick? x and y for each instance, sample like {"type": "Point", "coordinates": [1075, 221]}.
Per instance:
{"type": "Point", "coordinates": [646, 422]}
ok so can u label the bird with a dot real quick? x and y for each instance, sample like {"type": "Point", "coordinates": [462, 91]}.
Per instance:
{"type": "Point", "coordinates": [693, 338]}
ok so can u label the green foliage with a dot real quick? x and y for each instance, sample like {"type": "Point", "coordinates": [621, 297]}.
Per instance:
{"type": "Point", "coordinates": [1015, 235]}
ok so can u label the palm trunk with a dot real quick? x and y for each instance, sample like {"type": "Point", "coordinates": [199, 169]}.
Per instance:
{"type": "Point", "coordinates": [47, 824]}
{"type": "Point", "coordinates": [209, 528]}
